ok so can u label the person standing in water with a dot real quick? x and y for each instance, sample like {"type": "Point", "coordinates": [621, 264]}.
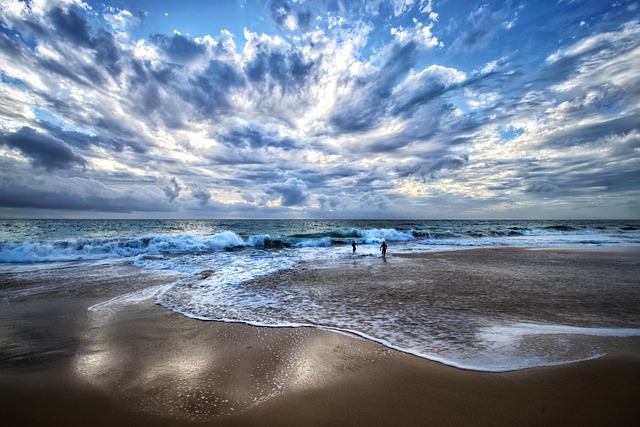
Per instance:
{"type": "Point", "coordinates": [353, 245]}
{"type": "Point", "coordinates": [383, 248]}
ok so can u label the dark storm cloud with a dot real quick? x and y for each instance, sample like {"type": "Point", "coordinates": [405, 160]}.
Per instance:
{"type": "Point", "coordinates": [591, 178]}
{"type": "Point", "coordinates": [19, 196]}
{"type": "Point", "coordinates": [172, 191]}
{"type": "Point", "coordinates": [202, 195]}
{"type": "Point", "coordinates": [84, 141]}
{"type": "Point", "coordinates": [286, 70]}
{"type": "Point", "coordinates": [612, 180]}
{"type": "Point", "coordinates": [62, 70]}
{"type": "Point", "coordinates": [428, 170]}
{"type": "Point", "coordinates": [318, 177]}
{"type": "Point", "coordinates": [43, 150]}
{"type": "Point", "coordinates": [600, 176]}
{"type": "Point", "coordinates": [10, 45]}
{"type": "Point", "coordinates": [72, 26]}
{"type": "Point", "coordinates": [107, 52]}
{"type": "Point", "coordinates": [435, 123]}
{"type": "Point", "coordinates": [541, 187]}
{"type": "Point", "coordinates": [208, 91]}
{"type": "Point", "coordinates": [21, 189]}
{"type": "Point", "coordinates": [62, 28]}
{"type": "Point", "coordinates": [593, 132]}
{"type": "Point", "coordinates": [142, 72]}
{"type": "Point", "coordinates": [151, 89]}
{"type": "Point", "coordinates": [425, 93]}
{"type": "Point", "coordinates": [292, 192]}
{"type": "Point", "coordinates": [615, 171]}
{"type": "Point", "coordinates": [178, 47]}
{"type": "Point", "coordinates": [253, 137]}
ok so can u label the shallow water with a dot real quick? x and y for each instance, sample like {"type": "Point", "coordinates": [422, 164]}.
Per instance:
{"type": "Point", "coordinates": [493, 317]}
{"type": "Point", "coordinates": [262, 273]}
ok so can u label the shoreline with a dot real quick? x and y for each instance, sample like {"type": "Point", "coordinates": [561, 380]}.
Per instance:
{"type": "Point", "coordinates": [150, 366]}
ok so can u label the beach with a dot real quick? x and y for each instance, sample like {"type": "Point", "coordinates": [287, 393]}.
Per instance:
{"type": "Point", "coordinates": [142, 364]}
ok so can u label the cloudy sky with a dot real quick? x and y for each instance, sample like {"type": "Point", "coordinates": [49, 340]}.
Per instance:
{"type": "Point", "coordinates": [324, 109]}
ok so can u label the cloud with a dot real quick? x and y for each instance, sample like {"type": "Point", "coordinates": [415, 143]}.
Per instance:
{"type": "Point", "coordinates": [285, 15]}
{"type": "Point", "coordinates": [43, 150]}
{"type": "Point", "coordinates": [592, 131]}
{"type": "Point", "coordinates": [274, 65]}
{"type": "Point", "coordinates": [19, 189]}
{"type": "Point", "coordinates": [292, 192]}
{"type": "Point", "coordinates": [597, 42]}
{"type": "Point", "coordinates": [120, 20]}
{"type": "Point", "coordinates": [207, 92]}
{"type": "Point", "coordinates": [370, 201]}
{"type": "Point", "coordinates": [427, 85]}
{"type": "Point", "coordinates": [541, 187]}
{"type": "Point", "coordinates": [202, 195]}
{"type": "Point", "coordinates": [365, 104]}
{"type": "Point", "coordinates": [255, 138]}
{"type": "Point", "coordinates": [172, 191]}
{"type": "Point", "coordinates": [482, 24]}
{"type": "Point", "coordinates": [401, 6]}
{"type": "Point", "coordinates": [329, 203]}
{"type": "Point", "coordinates": [419, 33]}
{"type": "Point", "coordinates": [178, 48]}
{"type": "Point", "coordinates": [428, 170]}
{"type": "Point", "coordinates": [340, 108]}
{"type": "Point", "coordinates": [71, 24]}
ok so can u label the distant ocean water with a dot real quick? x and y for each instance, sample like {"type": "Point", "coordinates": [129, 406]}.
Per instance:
{"type": "Point", "coordinates": [241, 250]}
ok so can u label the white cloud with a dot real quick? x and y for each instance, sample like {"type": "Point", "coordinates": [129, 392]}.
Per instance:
{"type": "Point", "coordinates": [119, 20]}
{"type": "Point", "coordinates": [419, 33]}
{"type": "Point", "coordinates": [478, 100]}
{"type": "Point", "coordinates": [627, 36]}
{"type": "Point", "coordinates": [17, 107]}
{"type": "Point", "coordinates": [401, 6]}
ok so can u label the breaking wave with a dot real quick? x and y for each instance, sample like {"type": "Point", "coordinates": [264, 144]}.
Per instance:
{"type": "Point", "coordinates": [446, 233]}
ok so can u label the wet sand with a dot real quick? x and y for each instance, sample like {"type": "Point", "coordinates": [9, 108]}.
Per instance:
{"type": "Point", "coordinates": [148, 366]}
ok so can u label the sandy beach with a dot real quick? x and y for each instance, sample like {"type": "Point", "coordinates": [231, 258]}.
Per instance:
{"type": "Point", "coordinates": [145, 365]}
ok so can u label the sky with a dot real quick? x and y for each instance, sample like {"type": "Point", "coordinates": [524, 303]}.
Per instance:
{"type": "Point", "coordinates": [428, 109]}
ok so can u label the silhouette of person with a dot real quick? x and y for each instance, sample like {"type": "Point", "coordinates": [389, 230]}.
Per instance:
{"type": "Point", "coordinates": [353, 245]}
{"type": "Point", "coordinates": [383, 248]}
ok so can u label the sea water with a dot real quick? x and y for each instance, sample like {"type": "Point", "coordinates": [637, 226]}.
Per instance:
{"type": "Point", "coordinates": [220, 259]}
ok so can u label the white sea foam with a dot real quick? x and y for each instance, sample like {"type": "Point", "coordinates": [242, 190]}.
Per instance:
{"type": "Point", "coordinates": [512, 332]}
{"type": "Point", "coordinates": [378, 235]}
{"type": "Point", "coordinates": [101, 313]}
{"type": "Point", "coordinates": [325, 241]}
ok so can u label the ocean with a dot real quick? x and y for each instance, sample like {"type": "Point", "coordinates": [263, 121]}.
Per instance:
{"type": "Point", "coordinates": [222, 261]}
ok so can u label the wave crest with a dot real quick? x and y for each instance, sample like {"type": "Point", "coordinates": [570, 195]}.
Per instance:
{"type": "Point", "coordinates": [115, 247]}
